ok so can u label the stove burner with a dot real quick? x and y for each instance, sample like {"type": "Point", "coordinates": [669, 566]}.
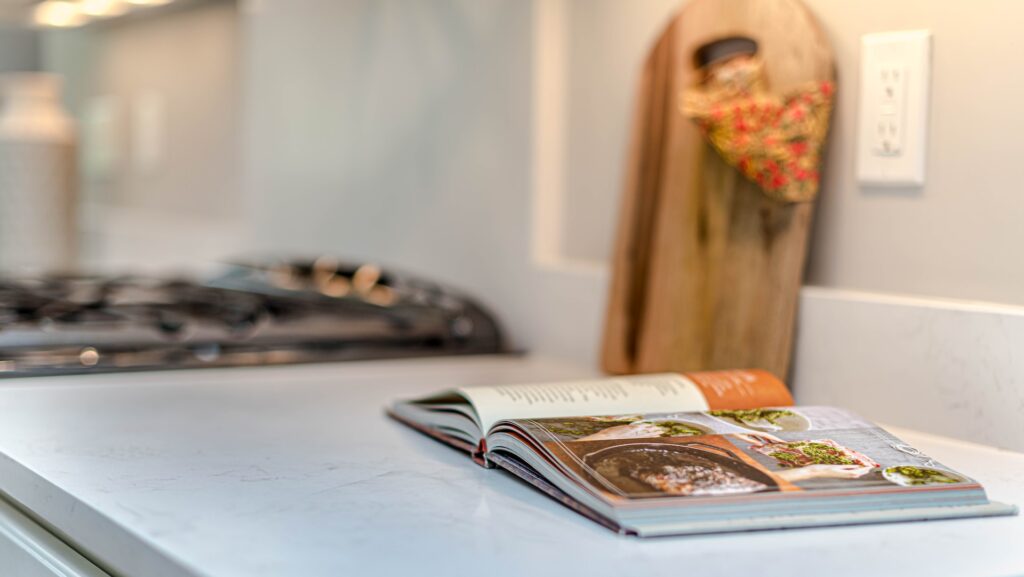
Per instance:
{"type": "Point", "coordinates": [294, 311]}
{"type": "Point", "coordinates": [165, 306]}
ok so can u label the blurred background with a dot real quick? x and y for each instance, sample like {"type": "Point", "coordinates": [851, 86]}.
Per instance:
{"type": "Point", "coordinates": [481, 143]}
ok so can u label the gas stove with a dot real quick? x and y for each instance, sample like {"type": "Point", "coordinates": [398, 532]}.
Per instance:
{"type": "Point", "coordinates": [248, 314]}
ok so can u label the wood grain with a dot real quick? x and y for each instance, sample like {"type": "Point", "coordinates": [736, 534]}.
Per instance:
{"type": "Point", "coordinates": [706, 268]}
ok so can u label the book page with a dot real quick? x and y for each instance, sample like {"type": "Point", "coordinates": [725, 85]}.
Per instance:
{"type": "Point", "coordinates": [747, 452]}
{"type": "Point", "coordinates": [735, 389]}
{"type": "Point", "coordinates": [612, 396]}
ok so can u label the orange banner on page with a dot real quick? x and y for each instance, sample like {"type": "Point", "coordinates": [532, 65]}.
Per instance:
{"type": "Point", "coordinates": [741, 389]}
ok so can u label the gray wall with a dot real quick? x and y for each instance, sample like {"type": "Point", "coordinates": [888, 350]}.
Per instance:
{"type": "Point", "coordinates": [400, 132]}
{"type": "Point", "coordinates": [19, 49]}
{"type": "Point", "coordinates": [169, 192]}
{"type": "Point", "coordinates": [959, 235]}
{"type": "Point", "coordinates": [389, 128]}
{"type": "Point", "coordinates": [606, 43]}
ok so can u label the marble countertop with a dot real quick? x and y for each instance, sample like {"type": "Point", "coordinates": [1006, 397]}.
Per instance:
{"type": "Point", "coordinates": [296, 471]}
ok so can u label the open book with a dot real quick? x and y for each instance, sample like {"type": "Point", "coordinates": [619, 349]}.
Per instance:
{"type": "Point", "coordinates": [710, 452]}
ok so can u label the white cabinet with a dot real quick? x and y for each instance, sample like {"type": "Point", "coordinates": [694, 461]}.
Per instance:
{"type": "Point", "coordinates": [29, 550]}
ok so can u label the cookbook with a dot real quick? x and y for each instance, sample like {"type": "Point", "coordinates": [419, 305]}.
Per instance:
{"type": "Point", "coordinates": [711, 452]}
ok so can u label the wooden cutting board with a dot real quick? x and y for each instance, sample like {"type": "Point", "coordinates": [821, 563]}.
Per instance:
{"type": "Point", "coordinates": [707, 269]}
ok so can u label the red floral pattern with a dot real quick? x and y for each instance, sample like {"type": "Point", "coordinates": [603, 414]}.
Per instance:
{"type": "Point", "coordinates": [775, 142]}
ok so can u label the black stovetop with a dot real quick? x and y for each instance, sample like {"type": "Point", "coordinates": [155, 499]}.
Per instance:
{"type": "Point", "coordinates": [255, 313]}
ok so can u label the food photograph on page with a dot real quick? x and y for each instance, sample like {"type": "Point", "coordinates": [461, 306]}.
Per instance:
{"type": "Point", "coordinates": [700, 453]}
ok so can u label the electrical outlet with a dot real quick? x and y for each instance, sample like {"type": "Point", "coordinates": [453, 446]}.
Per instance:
{"type": "Point", "coordinates": [894, 108]}
{"type": "Point", "coordinates": [891, 110]}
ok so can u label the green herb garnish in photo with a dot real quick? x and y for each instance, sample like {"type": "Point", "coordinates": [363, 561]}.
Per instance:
{"type": "Point", "coordinates": [919, 476]}
{"type": "Point", "coordinates": [583, 427]}
{"type": "Point", "coordinates": [752, 416]}
{"type": "Point", "coordinates": [677, 429]}
{"type": "Point", "coordinates": [820, 453]}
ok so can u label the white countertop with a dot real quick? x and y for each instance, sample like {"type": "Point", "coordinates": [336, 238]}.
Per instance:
{"type": "Point", "coordinates": [296, 471]}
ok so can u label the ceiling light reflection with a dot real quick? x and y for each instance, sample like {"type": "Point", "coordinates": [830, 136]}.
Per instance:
{"type": "Point", "coordinates": [102, 8]}
{"type": "Point", "coordinates": [58, 13]}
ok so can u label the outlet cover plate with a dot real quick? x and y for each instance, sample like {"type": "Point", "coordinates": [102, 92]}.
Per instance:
{"type": "Point", "coordinates": [895, 79]}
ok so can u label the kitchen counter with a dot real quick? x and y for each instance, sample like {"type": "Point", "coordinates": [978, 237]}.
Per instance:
{"type": "Point", "coordinates": [296, 471]}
